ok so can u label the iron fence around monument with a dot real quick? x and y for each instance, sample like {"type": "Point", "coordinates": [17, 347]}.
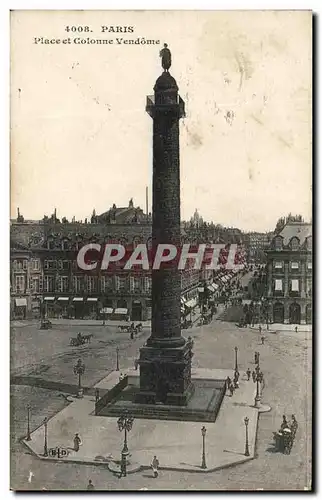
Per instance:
{"type": "Point", "coordinates": [111, 394]}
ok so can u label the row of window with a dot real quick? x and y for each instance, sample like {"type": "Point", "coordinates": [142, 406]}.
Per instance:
{"type": "Point", "coordinates": [22, 264]}
{"type": "Point", "coordinates": [294, 243]}
{"type": "Point", "coordinates": [81, 283]}
{"type": "Point", "coordinates": [293, 265]}
{"type": "Point", "coordinates": [68, 244]}
{"type": "Point", "coordinates": [294, 286]}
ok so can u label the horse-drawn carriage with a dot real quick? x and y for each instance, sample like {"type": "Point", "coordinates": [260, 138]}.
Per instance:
{"type": "Point", "coordinates": [45, 324]}
{"type": "Point", "coordinates": [284, 440]}
{"type": "Point", "coordinates": [80, 340]}
{"type": "Point", "coordinates": [135, 329]}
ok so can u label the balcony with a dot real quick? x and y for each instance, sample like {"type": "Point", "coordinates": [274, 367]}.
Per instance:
{"type": "Point", "coordinates": [171, 104]}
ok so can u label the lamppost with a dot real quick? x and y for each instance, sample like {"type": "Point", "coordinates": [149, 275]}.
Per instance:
{"type": "Point", "coordinates": [28, 438]}
{"type": "Point", "coordinates": [246, 421]}
{"type": "Point", "coordinates": [125, 423]}
{"type": "Point", "coordinates": [258, 379]}
{"type": "Point", "coordinates": [236, 363]}
{"type": "Point", "coordinates": [79, 369]}
{"type": "Point", "coordinates": [203, 460]}
{"type": "Point", "coordinates": [117, 359]}
{"type": "Point", "coordinates": [45, 443]}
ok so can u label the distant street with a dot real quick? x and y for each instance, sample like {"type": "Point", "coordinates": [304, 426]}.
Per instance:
{"type": "Point", "coordinates": [284, 361]}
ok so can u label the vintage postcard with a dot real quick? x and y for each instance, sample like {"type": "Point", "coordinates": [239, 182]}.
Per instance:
{"type": "Point", "coordinates": [161, 250]}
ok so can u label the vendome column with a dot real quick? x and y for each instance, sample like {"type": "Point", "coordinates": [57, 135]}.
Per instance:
{"type": "Point", "coordinates": [165, 360]}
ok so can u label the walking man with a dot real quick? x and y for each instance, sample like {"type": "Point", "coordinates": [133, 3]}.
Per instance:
{"type": "Point", "coordinates": [262, 339]}
{"type": "Point", "coordinates": [228, 382]}
{"type": "Point", "coordinates": [77, 442]}
{"type": "Point", "coordinates": [248, 373]}
{"type": "Point", "coordinates": [254, 376]}
{"type": "Point", "coordinates": [155, 466]}
{"type": "Point", "coordinates": [231, 388]}
{"type": "Point", "coordinates": [97, 395]}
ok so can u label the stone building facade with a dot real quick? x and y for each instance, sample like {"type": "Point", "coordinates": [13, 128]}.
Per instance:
{"type": "Point", "coordinates": [289, 275]}
{"type": "Point", "coordinates": [45, 275]}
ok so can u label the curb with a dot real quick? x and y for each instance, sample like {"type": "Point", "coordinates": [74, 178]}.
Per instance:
{"type": "Point", "coordinates": [139, 467]}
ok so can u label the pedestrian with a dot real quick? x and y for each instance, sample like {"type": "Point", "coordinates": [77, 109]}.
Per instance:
{"type": "Point", "coordinates": [228, 382]}
{"type": "Point", "coordinates": [77, 442]}
{"type": "Point", "coordinates": [248, 373]}
{"type": "Point", "coordinates": [236, 377]}
{"type": "Point", "coordinates": [136, 364]}
{"type": "Point", "coordinates": [231, 389]}
{"type": "Point", "coordinates": [97, 395]}
{"type": "Point", "coordinates": [296, 329]}
{"type": "Point", "coordinates": [123, 466]}
{"type": "Point", "coordinates": [294, 426]}
{"type": "Point", "coordinates": [121, 376]}
{"type": "Point", "coordinates": [155, 466]}
{"type": "Point", "coordinates": [254, 376]}
{"type": "Point", "coordinates": [90, 485]}
{"type": "Point", "coordinates": [284, 424]}
{"type": "Point", "coordinates": [262, 339]}
{"type": "Point", "coordinates": [260, 328]}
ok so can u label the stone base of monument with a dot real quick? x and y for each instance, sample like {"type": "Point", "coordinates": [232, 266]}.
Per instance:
{"type": "Point", "coordinates": [202, 406]}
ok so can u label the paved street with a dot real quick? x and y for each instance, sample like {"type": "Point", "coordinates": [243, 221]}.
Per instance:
{"type": "Point", "coordinates": [286, 364]}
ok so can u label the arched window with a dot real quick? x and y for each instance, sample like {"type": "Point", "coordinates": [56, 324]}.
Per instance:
{"type": "Point", "coordinates": [50, 243]}
{"type": "Point", "coordinates": [136, 241]}
{"type": "Point", "coordinates": [278, 243]}
{"type": "Point", "coordinates": [295, 243]}
{"type": "Point", "coordinates": [65, 244]}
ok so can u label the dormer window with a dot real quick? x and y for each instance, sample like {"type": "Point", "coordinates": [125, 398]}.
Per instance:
{"type": "Point", "coordinates": [278, 243]}
{"type": "Point", "coordinates": [295, 244]}
{"type": "Point", "coordinates": [309, 243]}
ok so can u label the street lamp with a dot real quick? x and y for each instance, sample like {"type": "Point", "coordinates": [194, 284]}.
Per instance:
{"type": "Point", "coordinates": [117, 359]}
{"type": "Point", "coordinates": [79, 369]}
{"type": "Point", "coordinates": [125, 423]}
{"type": "Point", "coordinates": [45, 443]}
{"type": "Point", "coordinates": [258, 379]}
{"type": "Point", "coordinates": [246, 421]}
{"type": "Point", "coordinates": [203, 460]}
{"type": "Point", "coordinates": [28, 438]}
{"type": "Point", "coordinates": [236, 363]}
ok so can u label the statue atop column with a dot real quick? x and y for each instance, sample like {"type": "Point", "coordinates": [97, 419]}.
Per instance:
{"type": "Point", "coordinates": [165, 55]}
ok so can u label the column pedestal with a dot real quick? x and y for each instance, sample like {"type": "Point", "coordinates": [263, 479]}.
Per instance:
{"type": "Point", "coordinates": [165, 375]}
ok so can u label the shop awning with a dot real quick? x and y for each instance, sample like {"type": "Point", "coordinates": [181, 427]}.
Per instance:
{"type": "Point", "coordinates": [191, 303]}
{"type": "Point", "coordinates": [49, 298]}
{"type": "Point", "coordinates": [63, 298]}
{"type": "Point", "coordinates": [107, 310]}
{"type": "Point", "coordinates": [201, 289]}
{"type": "Point", "coordinates": [92, 299]}
{"type": "Point", "coordinates": [210, 288]}
{"type": "Point", "coordinates": [215, 286]}
{"type": "Point", "coordinates": [120, 310]}
{"type": "Point", "coordinates": [21, 302]}
{"type": "Point", "coordinates": [78, 299]}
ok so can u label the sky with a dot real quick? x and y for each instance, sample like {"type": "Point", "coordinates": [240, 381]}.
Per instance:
{"type": "Point", "coordinates": [81, 139]}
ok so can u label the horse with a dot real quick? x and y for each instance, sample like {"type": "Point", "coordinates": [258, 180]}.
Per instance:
{"type": "Point", "coordinates": [124, 328]}
{"type": "Point", "coordinates": [87, 338]}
